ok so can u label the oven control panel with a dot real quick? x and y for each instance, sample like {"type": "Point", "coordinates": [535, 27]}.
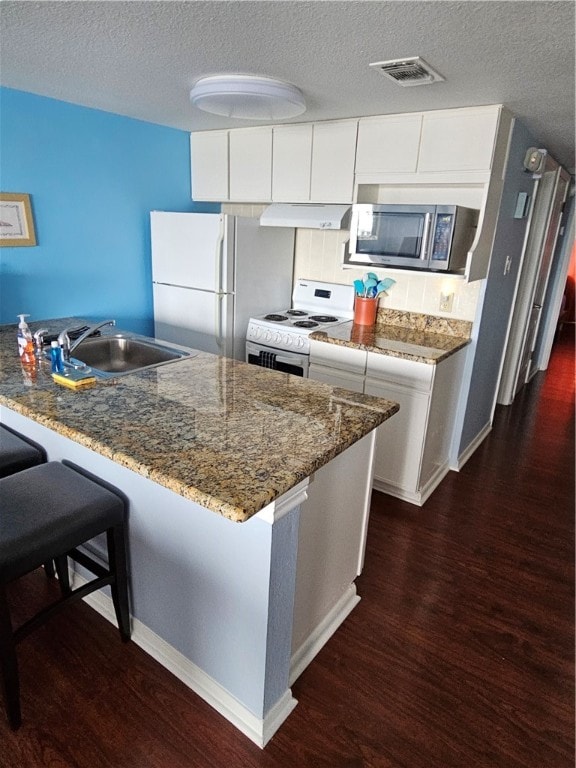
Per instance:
{"type": "Point", "coordinates": [281, 339]}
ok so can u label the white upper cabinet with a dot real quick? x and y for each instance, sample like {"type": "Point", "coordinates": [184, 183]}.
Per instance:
{"type": "Point", "coordinates": [388, 144]}
{"type": "Point", "coordinates": [291, 163]}
{"type": "Point", "coordinates": [251, 164]}
{"type": "Point", "coordinates": [458, 139]}
{"type": "Point", "coordinates": [333, 160]}
{"type": "Point", "coordinates": [314, 162]}
{"type": "Point", "coordinates": [209, 157]}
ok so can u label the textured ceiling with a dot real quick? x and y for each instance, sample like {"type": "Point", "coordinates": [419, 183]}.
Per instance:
{"type": "Point", "coordinates": [140, 58]}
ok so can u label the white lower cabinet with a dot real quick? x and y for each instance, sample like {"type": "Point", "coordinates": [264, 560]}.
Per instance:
{"type": "Point", "coordinates": [412, 448]}
{"type": "Point", "coordinates": [399, 441]}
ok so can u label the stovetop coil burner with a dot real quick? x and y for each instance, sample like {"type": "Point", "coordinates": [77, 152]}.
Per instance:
{"type": "Point", "coordinates": [276, 318]}
{"type": "Point", "coordinates": [305, 324]}
{"type": "Point", "coordinates": [296, 313]}
{"type": "Point", "coordinates": [324, 318]}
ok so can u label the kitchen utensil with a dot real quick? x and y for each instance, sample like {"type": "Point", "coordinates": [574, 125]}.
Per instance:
{"type": "Point", "coordinates": [384, 285]}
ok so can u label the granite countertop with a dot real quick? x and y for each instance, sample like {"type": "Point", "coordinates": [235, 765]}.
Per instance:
{"type": "Point", "coordinates": [408, 335]}
{"type": "Point", "coordinates": [230, 436]}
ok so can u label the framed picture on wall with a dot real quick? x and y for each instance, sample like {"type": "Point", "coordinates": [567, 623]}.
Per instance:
{"type": "Point", "coordinates": [16, 222]}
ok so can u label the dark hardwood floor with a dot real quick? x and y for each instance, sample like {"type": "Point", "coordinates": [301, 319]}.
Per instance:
{"type": "Point", "coordinates": [460, 654]}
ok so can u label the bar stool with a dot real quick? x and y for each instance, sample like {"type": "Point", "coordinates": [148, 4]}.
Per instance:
{"type": "Point", "coordinates": [48, 511]}
{"type": "Point", "coordinates": [18, 452]}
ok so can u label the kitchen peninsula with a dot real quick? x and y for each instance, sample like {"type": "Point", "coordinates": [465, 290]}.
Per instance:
{"type": "Point", "coordinates": [249, 494]}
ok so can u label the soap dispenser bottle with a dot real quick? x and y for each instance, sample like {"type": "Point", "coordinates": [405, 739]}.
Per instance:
{"type": "Point", "coordinates": [25, 342]}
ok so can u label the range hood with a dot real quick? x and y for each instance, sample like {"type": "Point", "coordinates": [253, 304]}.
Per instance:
{"type": "Point", "coordinates": [310, 216]}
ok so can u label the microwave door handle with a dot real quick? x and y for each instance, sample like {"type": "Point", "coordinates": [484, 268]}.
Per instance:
{"type": "Point", "coordinates": [426, 237]}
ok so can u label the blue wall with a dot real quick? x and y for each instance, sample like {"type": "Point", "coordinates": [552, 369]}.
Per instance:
{"type": "Point", "coordinates": [93, 178]}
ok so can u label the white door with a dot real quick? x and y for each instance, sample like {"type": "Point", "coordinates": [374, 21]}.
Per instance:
{"type": "Point", "coordinates": [196, 319]}
{"type": "Point", "coordinates": [513, 375]}
{"type": "Point", "coordinates": [545, 267]}
{"type": "Point", "coordinates": [187, 249]}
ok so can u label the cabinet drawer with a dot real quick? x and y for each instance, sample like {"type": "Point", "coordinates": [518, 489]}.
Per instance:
{"type": "Point", "coordinates": [344, 379]}
{"type": "Point", "coordinates": [396, 370]}
{"type": "Point", "coordinates": [336, 356]}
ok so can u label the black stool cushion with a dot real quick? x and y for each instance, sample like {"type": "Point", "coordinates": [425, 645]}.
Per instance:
{"type": "Point", "coordinates": [48, 510]}
{"type": "Point", "coordinates": [17, 452]}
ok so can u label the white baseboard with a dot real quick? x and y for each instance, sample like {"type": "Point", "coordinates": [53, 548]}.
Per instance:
{"type": "Point", "coordinates": [323, 632]}
{"type": "Point", "coordinates": [258, 730]}
{"type": "Point", "coordinates": [414, 497]}
{"type": "Point", "coordinates": [472, 446]}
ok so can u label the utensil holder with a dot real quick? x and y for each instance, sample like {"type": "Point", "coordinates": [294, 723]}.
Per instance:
{"type": "Point", "coordinates": [365, 310]}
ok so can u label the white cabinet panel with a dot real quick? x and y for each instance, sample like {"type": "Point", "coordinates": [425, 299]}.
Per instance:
{"type": "Point", "coordinates": [396, 370]}
{"type": "Point", "coordinates": [339, 357]}
{"type": "Point", "coordinates": [458, 140]}
{"type": "Point", "coordinates": [336, 378]}
{"type": "Point", "coordinates": [209, 159]}
{"type": "Point", "coordinates": [333, 158]}
{"type": "Point", "coordinates": [251, 164]}
{"type": "Point", "coordinates": [388, 144]}
{"type": "Point", "coordinates": [291, 163]}
{"type": "Point", "coordinates": [400, 440]}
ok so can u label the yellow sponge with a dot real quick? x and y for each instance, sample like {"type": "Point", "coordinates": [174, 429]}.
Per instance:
{"type": "Point", "coordinates": [74, 379]}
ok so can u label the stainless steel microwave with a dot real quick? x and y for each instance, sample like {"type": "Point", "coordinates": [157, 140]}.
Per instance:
{"type": "Point", "coordinates": [432, 237]}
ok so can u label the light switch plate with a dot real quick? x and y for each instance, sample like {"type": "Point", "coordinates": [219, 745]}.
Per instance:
{"type": "Point", "coordinates": [521, 205]}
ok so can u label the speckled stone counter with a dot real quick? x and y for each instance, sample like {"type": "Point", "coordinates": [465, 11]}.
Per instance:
{"type": "Point", "coordinates": [408, 335]}
{"type": "Point", "coordinates": [227, 435]}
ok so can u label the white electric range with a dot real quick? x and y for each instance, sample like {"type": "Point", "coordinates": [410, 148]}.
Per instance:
{"type": "Point", "coordinates": [279, 340]}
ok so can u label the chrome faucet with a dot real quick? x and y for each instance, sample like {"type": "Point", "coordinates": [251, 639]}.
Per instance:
{"type": "Point", "coordinates": [68, 347]}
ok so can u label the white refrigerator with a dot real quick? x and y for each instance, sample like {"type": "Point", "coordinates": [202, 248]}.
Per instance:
{"type": "Point", "coordinates": [211, 272]}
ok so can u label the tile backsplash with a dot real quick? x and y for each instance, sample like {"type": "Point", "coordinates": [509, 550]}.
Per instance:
{"type": "Point", "coordinates": [318, 256]}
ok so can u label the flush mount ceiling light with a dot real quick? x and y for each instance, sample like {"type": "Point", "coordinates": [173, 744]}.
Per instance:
{"type": "Point", "coordinates": [411, 71]}
{"type": "Point", "coordinates": [247, 97]}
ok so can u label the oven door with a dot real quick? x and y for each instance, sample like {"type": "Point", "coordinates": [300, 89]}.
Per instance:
{"type": "Point", "coordinates": [277, 359]}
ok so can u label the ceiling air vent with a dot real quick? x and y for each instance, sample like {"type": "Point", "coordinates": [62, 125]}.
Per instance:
{"type": "Point", "coordinates": [413, 71]}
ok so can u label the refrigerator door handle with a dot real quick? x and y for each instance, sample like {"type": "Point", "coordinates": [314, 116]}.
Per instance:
{"type": "Point", "coordinates": [219, 260]}
{"type": "Point", "coordinates": [218, 323]}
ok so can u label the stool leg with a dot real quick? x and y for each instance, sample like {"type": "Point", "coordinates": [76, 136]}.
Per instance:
{"type": "Point", "coordinates": [49, 568]}
{"type": "Point", "coordinates": [9, 665]}
{"type": "Point", "coordinates": [61, 563]}
{"type": "Point", "coordinates": [116, 540]}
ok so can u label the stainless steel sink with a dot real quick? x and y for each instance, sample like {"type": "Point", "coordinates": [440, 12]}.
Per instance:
{"type": "Point", "coordinates": [111, 356]}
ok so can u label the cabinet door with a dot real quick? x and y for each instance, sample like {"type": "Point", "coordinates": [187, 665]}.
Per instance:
{"type": "Point", "coordinates": [291, 163]}
{"type": "Point", "coordinates": [388, 144]}
{"type": "Point", "coordinates": [209, 159]}
{"type": "Point", "coordinates": [400, 440]}
{"type": "Point", "coordinates": [336, 378]}
{"type": "Point", "coordinates": [251, 164]}
{"type": "Point", "coordinates": [333, 157]}
{"type": "Point", "coordinates": [458, 140]}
